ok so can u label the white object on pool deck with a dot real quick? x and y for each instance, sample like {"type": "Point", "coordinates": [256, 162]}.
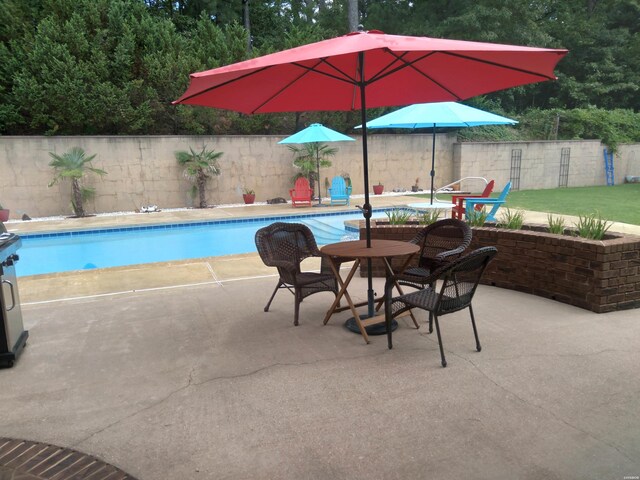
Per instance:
{"type": "Point", "coordinates": [431, 206]}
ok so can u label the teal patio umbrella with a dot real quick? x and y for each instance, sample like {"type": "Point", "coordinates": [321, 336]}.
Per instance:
{"type": "Point", "coordinates": [317, 133]}
{"type": "Point", "coordinates": [437, 115]}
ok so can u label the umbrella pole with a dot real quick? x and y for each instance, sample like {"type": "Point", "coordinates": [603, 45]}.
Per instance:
{"type": "Point", "coordinates": [433, 161]}
{"type": "Point", "coordinates": [318, 173]}
{"type": "Point", "coordinates": [366, 210]}
{"type": "Point", "coordinates": [318, 190]}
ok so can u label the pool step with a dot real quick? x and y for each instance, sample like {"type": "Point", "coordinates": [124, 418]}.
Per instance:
{"type": "Point", "coordinates": [326, 233]}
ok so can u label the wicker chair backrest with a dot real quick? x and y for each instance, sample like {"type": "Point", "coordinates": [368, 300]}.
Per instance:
{"type": "Point", "coordinates": [285, 242]}
{"type": "Point", "coordinates": [460, 280]}
{"type": "Point", "coordinates": [440, 237]}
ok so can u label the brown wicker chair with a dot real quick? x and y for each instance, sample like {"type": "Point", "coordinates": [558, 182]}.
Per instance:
{"type": "Point", "coordinates": [459, 282]}
{"type": "Point", "coordinates": [440, 243]}
{"type": "Point", "coordinates": [284, 246]}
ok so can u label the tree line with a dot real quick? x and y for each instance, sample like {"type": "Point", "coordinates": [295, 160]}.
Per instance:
{"type": "Point", "coordinates": [86, 67]}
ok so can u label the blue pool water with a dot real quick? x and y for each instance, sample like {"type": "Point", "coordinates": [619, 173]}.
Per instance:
{"type": "Point", "coordinates": [66, 251]}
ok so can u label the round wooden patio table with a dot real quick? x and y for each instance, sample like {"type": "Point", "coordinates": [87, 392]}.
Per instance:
{"type": "Point", "coordinates": [358, 251]}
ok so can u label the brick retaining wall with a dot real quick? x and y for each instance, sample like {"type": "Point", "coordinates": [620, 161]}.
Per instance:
{"type": "Point", "coordinates": [597, 275]}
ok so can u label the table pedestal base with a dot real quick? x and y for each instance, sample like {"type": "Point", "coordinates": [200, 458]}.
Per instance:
{"type": "Point", "coordinates": [375, 329]}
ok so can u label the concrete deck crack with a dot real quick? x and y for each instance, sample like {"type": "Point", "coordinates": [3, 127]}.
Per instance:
{"type": "Point", "coordinates": [190, 383]}
{"type": "Point", "coordinates": [278, 364]}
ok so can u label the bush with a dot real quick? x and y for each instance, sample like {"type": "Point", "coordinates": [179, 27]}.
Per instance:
{"type": "Point", "coordinates": [556, 224]}
{"type": "Point", "coordinates": [592, 226]}
{"type": "Point", "coordinates": [429, 216]}
{"type": "Point", "coordinates": [511, 219]}
{"type": "Point", "coordinates": [477, 218]}
{"type": "Point", "coordinates": [398, 216]}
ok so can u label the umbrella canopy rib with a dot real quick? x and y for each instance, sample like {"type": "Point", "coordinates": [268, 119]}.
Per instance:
{"type": "Point", "coordinates": [385, 72]}
{"type": "Point", "coordinates": [500, 65]}
{"type": "Point", "coordinates": [417, 70]}
{"type": "Point", "coordinates": [345, 77]}
{"type": "Point", "coordinates": [223, 84]}
{"type": "Point", "coordinates": [277, 93]}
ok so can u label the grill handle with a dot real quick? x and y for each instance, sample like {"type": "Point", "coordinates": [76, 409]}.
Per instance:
{"type": "Point", "coordinates": [13, 296]}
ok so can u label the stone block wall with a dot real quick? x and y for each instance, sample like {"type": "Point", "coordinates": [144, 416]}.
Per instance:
{"type": "Point", "coordinates": [540, 163]}
{"type": "Point", "coordinates": [142, 170]}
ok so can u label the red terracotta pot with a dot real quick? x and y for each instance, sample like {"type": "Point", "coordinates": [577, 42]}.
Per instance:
{"type": "Point", "coordinates": [249, 198]}
{"type": "Point", "coordinates": [378, 189]}
{"type": "Point", "coordinates": [4, 215]}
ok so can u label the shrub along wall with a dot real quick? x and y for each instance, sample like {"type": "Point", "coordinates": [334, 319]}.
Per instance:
{"type": "Point", "coordinates": [597, 275]}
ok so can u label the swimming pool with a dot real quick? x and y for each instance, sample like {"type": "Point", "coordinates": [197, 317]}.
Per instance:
{"type": "Point", "coordinates": [114, 247]}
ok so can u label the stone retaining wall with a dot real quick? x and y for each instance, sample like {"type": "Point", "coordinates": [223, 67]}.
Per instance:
{"type": "Point", "coordinates": [597, 275]}
{"type": "Point", "coordinates": [142, 170]}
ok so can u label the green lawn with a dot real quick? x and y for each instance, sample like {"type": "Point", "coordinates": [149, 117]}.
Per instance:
{"type": "Point", "coordinates": [620, 203]}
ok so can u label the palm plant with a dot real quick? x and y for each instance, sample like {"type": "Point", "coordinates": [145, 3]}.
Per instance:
{"type": "Point", "coordinates": [309, 158]}
{"type": "Point", "coordinates": [75, 165]}
{"type": "Point", "coordinates": [199, 167]}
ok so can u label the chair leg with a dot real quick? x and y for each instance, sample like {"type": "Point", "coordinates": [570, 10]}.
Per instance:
{"type": "Point", "coordinates": [297, 308]}
{"type": "Point", "coordinates": [432, 286]}
{"type": "Point", "coordinates": [475, 330]}
{"type": "Point", "coordinates": [444, 362]}
{"type": "Point", "coordinates": [387, 321]}
{"type": "Point", "coordinates": [266, 309]}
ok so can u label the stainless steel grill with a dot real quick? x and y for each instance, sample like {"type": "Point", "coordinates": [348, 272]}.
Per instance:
{"type": "Point", "coordinates": [13, 336]}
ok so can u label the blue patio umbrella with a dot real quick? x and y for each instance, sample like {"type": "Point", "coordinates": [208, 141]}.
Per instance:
{"type": "Point", "coordinates": [317, 133]}
{"type": "Point", "coordinates": [437, 115]}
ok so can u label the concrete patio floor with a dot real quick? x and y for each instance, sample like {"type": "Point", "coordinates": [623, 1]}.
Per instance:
{"type": "Point", "coordinates": [192, 380]}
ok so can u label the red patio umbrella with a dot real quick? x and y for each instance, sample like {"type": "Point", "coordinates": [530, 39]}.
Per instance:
{"type": "Point", "coordinates": [369, 69]}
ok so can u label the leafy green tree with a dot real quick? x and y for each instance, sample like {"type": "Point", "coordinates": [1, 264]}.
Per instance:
{"type": "Point", "coordinates": [199, 167]}
{"type": "Point", "coordinates": [88, 67]}
{"type": "Point", "coordinates": [602, 68]}
{"type": "Point", "coordinates": [75, 165]}
{"type": "Point", "coordinates": [110, 67]}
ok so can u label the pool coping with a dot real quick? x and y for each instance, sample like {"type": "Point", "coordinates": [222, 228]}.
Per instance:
{"type": "Point", "coordinates": [198, 223]}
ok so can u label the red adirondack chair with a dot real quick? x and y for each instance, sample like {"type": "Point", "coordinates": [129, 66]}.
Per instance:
{"type": "Point", "coordinates": [458, 200]}
{"type": "Point", "coordinates": [301, 193]}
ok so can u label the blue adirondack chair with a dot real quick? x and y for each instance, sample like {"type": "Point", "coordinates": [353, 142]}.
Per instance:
{"type": "Point", "coordinates": [494, 202]}
{"type": "Point", "coordinates": [339, 192]}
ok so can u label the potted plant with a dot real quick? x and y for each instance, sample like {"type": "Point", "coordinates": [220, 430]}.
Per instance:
{"type": "Point", "coordinates": [415, 188]}
{"type": "Point", "coordinates": [347, 179]}
{"type": "Point", "coordinates": [4, 214]}
{"type": "Point", "coordinates": [249, 196]}
{"type": "Point", "coordinates": [378, 189]}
